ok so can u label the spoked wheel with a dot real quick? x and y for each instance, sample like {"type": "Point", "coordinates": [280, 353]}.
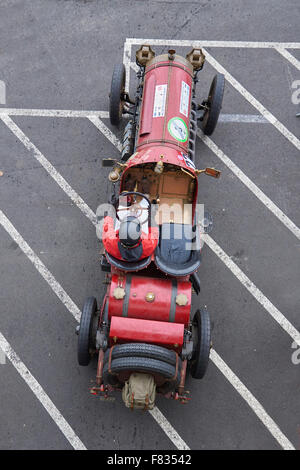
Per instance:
{"type": "Point", "coordinates": [87, 331]}
{"type": "Point", "coordinates": [213, 104]}
{"type": "Point", "coordinates": [117, 90]}
{"type": "Point", "coordinates": [201, 330]}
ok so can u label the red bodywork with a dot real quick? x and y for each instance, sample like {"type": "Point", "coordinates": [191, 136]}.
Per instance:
{"type": "Point", "coordinates": [167, 95]}
{"type": "Point", "coordinates": [167, 91]}
{"type": "Point", "coordinates": [154, 139]}
{"type": "Point", "coordinates": [163, 291]}
{"type": "Point", "coordinates": [173, 81]}
{"type": "Point", "coordinates": [133, 330]}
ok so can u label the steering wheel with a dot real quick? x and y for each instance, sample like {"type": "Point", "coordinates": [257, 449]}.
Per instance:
{"type": "Point", "coordinates": [135, 208]}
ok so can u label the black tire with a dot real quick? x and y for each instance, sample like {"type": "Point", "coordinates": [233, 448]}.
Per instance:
{"type": "Point", "coordinates": [117, 88]}
{"type": "Point", "coordinates": [85, 335]}
{"type": "Point", "coordinates": [214, 103]}
{"type": "Point", "coordinates": [140, 364]}
{"type": "Point", "coordinates": [143, 350]}
{"type": "Point", "coordinates": [202, 336]}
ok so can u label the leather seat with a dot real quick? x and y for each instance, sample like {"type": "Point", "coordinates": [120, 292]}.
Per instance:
{"type": "Point", "coordinates": [128, 265]}
{"type": "Point", "coordinates": [175, 253]}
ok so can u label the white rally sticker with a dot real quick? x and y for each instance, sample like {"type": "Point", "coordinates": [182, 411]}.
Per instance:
{"type": "Point", "coordinates": [184, 157]}
{"type": "Point", "coordinates": [184, 98]}
{"type": "Point", "coordinates": [160, 100]}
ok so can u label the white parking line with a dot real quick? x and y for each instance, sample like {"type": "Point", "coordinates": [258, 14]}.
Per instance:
{"type": "Point", "coordinates": [254, 291]}
{"type": "Point", "coordinates": [279, 317]}
{"type": "Point", "coordinates": [250, 185]}
{"type": "Point", "coordinates": [39, 265]}
{"type": "Point", "coordinates": [242, 90]}
{"type": "Point", "coordinates": [252, 401]}
{"type": "Point", "coordinates": [252, 100]}
{"type": "Point", "coordinates": [36, 388]}
{"type": "Point", "coordinates": [127, 62]}
{"type": "Point", "coordinates": [52, 113]}
{"type": "Point", "coordinates": [287, 55]}
{"type": "Point", "coordinates": [70, 113]}
{"type": "Point", "coordinates": [47, 165]}
{"type": "Point", "coordinates": [41, 395]}
{"type": "Point", "coordinates": [156, 413]}
{"type": "Point", "coordinates": [106, 131]}
{"type": "Point", "coordinates": [168, 429]}
{"type": "Point", "coordinates": [205, 43]}
{"type": "Point", "coordinates": [249, 118]}
{"type": "Point", "coordinates": [241, 276]}
{"type": "Point", "coordinates": [74, 310]}
{"type": "Point", "coordinates": [90, 213]}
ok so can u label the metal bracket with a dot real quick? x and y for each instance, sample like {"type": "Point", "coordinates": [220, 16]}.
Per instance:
{"type": "Point", "coordinates": [144, 54]}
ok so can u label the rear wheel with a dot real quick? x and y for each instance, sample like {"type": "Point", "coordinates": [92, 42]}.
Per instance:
{"type": "Point", "coordinates": [213, 104]}
{"type": "Point", "coordinates": [117, 90]}
{"type": "Point", "coordinates": [201, 330]}
{"type": "Point", "coordinates": [86, 335]}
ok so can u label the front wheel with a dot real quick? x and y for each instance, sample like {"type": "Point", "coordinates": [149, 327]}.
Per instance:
{"type": "Point", "coordinates": [201, 330]}
{"type": "Point", "coordinates": [213, 104]}
{"type": "Point", "coordinates": [116, 96]}
{"type": "Point", "coordinates": [86, 339]}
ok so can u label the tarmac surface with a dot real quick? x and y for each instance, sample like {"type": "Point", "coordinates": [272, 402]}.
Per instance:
{"type": "Point", "coordinates": [59, 55]}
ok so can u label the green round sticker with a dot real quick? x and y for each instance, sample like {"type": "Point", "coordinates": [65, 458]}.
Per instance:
{"type": "Point", "coordinates": [178, 129]}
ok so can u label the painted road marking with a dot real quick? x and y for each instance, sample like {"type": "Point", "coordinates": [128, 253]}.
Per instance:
{"type": "Point", "coordinates": [66, 113]}
{"type": "Point", "coordinates": [74, 310]}
{"type": "Point", "coordinates": [106, 132]}
{"type": "Point", "coordinates": [251, 287]}
{"type": "Point", "coordinates": [2, 92]}
{"type": "Point", "coordinates": [39, 265]}
{"type": "Point", "coordinates": [252, 100]}
{"type": "Point", "coordinates": [156, 413]}
{"type": "Point", "coordinates": [287, 55]}
{"type": "Point", "coordinates": [93, 115]}
{"type": "Point", "coordinates": [40, 394]}
{"type": "Point", "coordinates": [261, 298]}
{"type": "Point", "coordinates": [168, 429]}
{"type": "Point", "coordinates": [205, 43]}
{"type": "Point", "coordinates": [216, 359]}
{"type": "Point", "coordinates": [87, 211]}
{"type": "Point", "coordinates": [248, 118]}
{"type": "Point", "coordinates": [250, 185]}
{"type": "Point", "coordinates": [126, 62]}
{"type": "Point", "coordinates": [47, 165]}
{"type": "Point", "coordinates": [256, 293]}
{"type": "Point", "coordinates": [242, 90]}
{"type": "Point", "coordinates": [252, 401]}
{"type": "Point", "coordinates": [69, 113]}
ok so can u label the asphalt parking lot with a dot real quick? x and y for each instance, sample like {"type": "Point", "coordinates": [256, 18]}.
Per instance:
{"type": "Point", "coordinates": [59, 55]}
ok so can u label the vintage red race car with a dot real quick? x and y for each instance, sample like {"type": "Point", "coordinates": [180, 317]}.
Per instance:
{"type": "Point", "coordinates": [144, 334]}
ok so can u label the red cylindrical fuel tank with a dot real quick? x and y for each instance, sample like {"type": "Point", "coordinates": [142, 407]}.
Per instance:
{"type": "Point", "coordinates": [150, 298]}
{"type": "Point", "coordinates": [166, 103]}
